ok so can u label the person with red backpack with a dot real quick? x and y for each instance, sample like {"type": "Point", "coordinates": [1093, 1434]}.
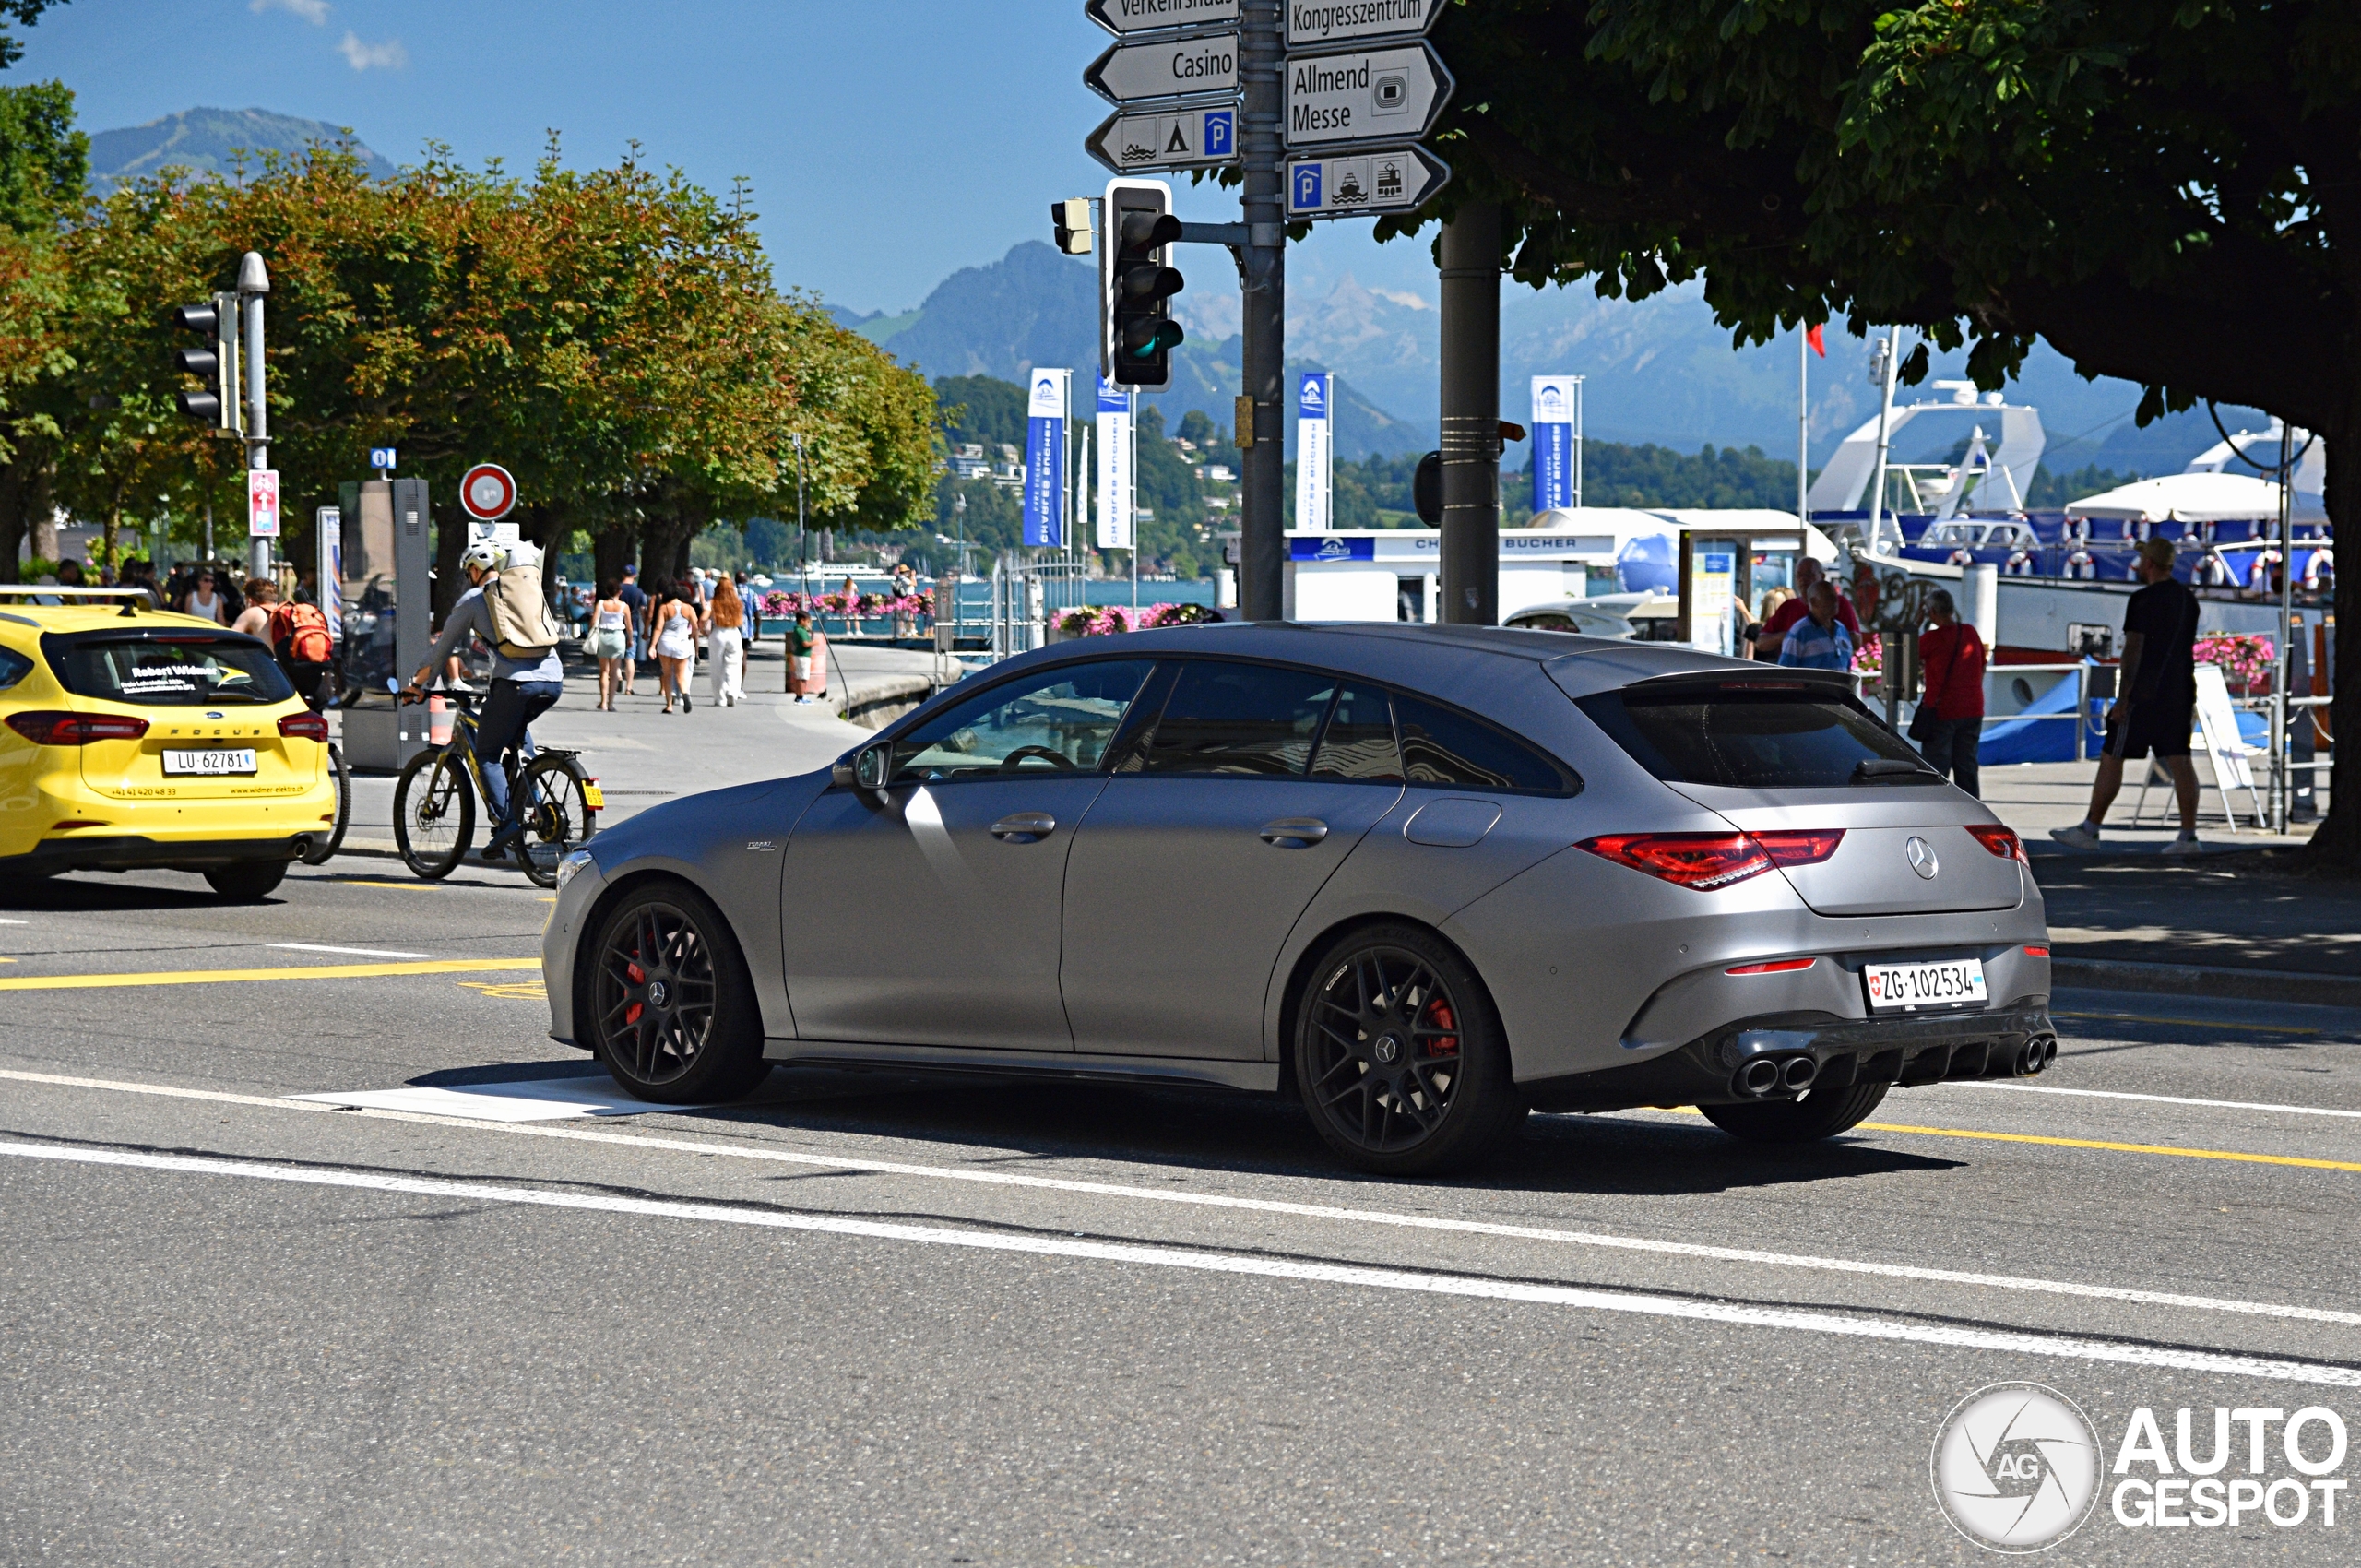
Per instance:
{"type": "Point", "coordinates": [306, 651]}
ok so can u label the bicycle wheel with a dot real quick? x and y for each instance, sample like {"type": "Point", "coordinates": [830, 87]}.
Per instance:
{"type": "Point", "coordinates": [434, 813]}
{"type": "Point", "coordinates": [324, 847]}
{"type": "Point", "coordinates": [558, 815]}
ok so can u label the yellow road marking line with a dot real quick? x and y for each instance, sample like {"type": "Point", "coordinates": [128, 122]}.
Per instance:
{"type": "Point", "coordinates": [514, 991]}
{"type": "Point", "coordinates": [357, 882]}
{"type": "Point", "coordinates": [2193, 1023]}
{"type": "Point", "coordinates": [2082, 1143]}
{"type": "Point", "coordinates": [310, 971]}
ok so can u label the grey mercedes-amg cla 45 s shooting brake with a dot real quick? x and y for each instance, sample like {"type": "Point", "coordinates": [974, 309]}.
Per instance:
{"type": "Point", "coordinates": [1425, 879]}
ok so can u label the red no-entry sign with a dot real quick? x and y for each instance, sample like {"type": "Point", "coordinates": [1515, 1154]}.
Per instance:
{"type": "Point", "coordinates": [488, 492]}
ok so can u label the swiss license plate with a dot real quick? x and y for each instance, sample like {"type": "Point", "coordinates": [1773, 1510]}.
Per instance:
{"type": "Point", "coordinates": [594, 796]}
{"type": "Point", "coordinates": [213, 764]}
{"type": "Point", "coordinates": [1901, 988]}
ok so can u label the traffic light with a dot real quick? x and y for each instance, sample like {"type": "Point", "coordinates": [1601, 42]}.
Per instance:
{"type": "Point", "coordinates": [215, 366]}
{"type": "Point", "coordinates": [1137, 333]}
{"type": "Point", "coordinates": [1071, 218]}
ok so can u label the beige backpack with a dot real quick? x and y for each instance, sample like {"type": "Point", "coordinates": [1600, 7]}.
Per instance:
{"type": "Point", "coordinates": [522, 625]}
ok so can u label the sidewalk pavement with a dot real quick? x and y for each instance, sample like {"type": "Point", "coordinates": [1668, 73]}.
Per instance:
{"type": "Point", "coordinates": [2248, 918]}
{"type": "Point", "coordinates": [642, 756]}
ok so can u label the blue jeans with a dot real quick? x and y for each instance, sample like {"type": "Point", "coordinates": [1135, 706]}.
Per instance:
{"type": "Point", "coordinates": [508, 713]}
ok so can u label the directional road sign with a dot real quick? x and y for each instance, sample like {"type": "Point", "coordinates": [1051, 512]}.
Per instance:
{"type": "Point", "coordinates": [1121, 16]}
{"type": "Point", "coordinates": [1365, 95]}
{"type": "Point", "coordinates": [1194, 137]}
{"type": "Point", "coordinates": [1314, 22]}
{"type": "Point", "coordinates": [1129, 73]}
{"type": "Point", "coordinates": [1340, 184]}
{"type": "Point", "coordinates": [487, 492]}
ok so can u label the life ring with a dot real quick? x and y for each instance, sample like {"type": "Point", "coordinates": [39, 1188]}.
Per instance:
{"type": "Point", "coordinates": [1962, 557]}
{"type": "Point", "coordinates": [2018, 564]}
{"type": "Point", "coordinates": [2320, 572]}
{"type": "Point", "coordinates": [2211, 571]}
{"type": "Point", "coordinates": [2259, 576]}
{"type": "Point", "coordinates": [2081, 565]}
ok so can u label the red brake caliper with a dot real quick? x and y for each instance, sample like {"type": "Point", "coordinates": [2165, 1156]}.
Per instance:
{"type": "Point", "coordinates": [1438, 1017]}
{"type": "Point", "coordinates": [638, 977]}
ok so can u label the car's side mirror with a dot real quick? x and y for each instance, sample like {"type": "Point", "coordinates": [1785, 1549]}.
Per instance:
{"type": "Point", "coordinates": [866, 769]}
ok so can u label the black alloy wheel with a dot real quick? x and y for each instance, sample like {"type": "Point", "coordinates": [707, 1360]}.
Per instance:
{"type": "Point", "coordinates": [671, 1011]}
{"type": "Point", "coordinates": [1400, 1056]}
{"type": "Point", "coordinates": [1820, 1113]}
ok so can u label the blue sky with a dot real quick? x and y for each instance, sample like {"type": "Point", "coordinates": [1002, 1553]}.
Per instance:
{"type": "Point", "coordinates": [888, 142]}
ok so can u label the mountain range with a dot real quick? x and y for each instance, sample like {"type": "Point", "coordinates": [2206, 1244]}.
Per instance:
{"type": "Point", "coordinates": [1657, 370]}
{"type": "Point", "coordinates": [209, 141]}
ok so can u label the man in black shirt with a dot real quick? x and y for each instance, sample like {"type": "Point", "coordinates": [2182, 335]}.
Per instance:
{"type": "Point", "coordinates": [2157, 704]}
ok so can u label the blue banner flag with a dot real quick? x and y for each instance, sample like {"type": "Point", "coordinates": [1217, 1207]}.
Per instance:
{"type": "Point", "coordinates": [1045, 460]}
{"type": "Point", "coordinates": [1553, 443]}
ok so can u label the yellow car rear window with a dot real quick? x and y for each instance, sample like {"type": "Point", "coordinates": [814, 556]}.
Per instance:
{"type": "Point", "coordinates": [173, 671]}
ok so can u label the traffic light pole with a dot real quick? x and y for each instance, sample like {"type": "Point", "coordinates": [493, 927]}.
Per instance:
{"type": "Point", "coordinates": [1263, 283]}
{"type": "Point", "coordinates": [1469, 258]}
{"type": "Point", "coordinates": [253, 282]}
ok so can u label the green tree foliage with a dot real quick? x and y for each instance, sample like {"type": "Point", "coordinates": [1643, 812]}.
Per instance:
{"type": "Point", "coordinates": [613, 336]}
{"type": "Point", "coordinates": [25, 11]}
{"type": "Point", "coordinates": [2160, 191]}
{"type": "Point", "coordinates": [2048, 490]}
{"type": "Point", "coordinates": [983, 410]}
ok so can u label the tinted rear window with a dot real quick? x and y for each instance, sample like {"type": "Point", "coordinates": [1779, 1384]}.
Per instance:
{"type": "Point", "coordinates": [1440, 747]}
{"type": "Point", "coordinates": [1755, 736]}
{"type": "Point", "coordinates": [1358, 743]}
{"type": "Point", "coordinates": [173, 671]}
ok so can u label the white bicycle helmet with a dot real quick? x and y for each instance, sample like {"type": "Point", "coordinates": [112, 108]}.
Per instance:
{"type": "Point", "coordinates": [485, 555]}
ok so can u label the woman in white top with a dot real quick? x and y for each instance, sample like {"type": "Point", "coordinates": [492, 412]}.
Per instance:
{"type": "Point", "coordinates": [675, 620]}
{"type": "Point", "coordinates": [204, 603]}
{"type": "Point", "coordinates": [609, 640]}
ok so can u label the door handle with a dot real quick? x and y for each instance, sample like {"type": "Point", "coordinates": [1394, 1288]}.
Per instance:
{"type": "Point", "coordinates": [1294, 832]}
{"type": "Point", "coordinates": [1024, 828]}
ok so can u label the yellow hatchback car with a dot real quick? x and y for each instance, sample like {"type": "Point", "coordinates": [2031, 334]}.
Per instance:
{"type": "Point", "coordinates": [132, 739]}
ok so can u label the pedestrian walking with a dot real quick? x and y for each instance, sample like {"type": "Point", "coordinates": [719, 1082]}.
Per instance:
{"type": "Point", "coordinates": [204, 601]}
{"type": "Point", "coordinates": [1949, 727]}
{"type": "Point", "coordinates": [799, 643]}
{"type": "Point", "coordinates": [1819, 641]}
{"type": "Point", "coordinates": [674, 618]}
{"type": "Point", "coordinates": [635, 648]}
{"type": "Point", "coordinates": [610, 635]}
{"type": "Point", "coordinates": [725, 643]}
{"type": "Point", "coordinates": [1783, 616]}
{"type": "Point", "coordinates": [2156, 706]}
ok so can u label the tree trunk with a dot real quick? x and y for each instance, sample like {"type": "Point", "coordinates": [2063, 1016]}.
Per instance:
{"type": "Point", "coordinates": [611, 547]}
{"type": "Point", "coordinates": [2338, 838]}
{"type": "Point", "coordinates": [24, 495]}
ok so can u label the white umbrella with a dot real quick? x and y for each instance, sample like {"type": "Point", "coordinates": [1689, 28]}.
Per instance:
{"type": "Point", "coordinates": [2196, 498]}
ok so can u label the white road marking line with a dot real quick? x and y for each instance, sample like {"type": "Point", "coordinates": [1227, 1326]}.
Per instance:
{"type": "Point", "coordinates": [1260, 1205]}
{"type": "Point", "coordinates": [532, 1100]}
{"type": "Point", "coordinates": [2059, 1347]}
{"type": "Point", "coordinates": [356, 952]}
{"type": "Point", "coordinates": [2156, 1098]}
{"type": "Point", "coordinates": [14, 923]}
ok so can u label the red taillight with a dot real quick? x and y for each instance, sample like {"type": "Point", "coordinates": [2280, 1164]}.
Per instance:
{"type": "Point", "coordinates": [1801, 848]}
{"type": "Point", "coordinates": [309, 726]}
{"type": "Point", "coordinates": [1703, 861]}
{"type": "Point", "coordinates": [1710, 861]}
{"type": "Point", "coordinates": [2036, 952]}
{"type": "Point", "coordinates": [76, 729]}
{"type": "Point", "coordinates": [1780, 967]}
{"type": "Point", "coordinates": [2000, 841]}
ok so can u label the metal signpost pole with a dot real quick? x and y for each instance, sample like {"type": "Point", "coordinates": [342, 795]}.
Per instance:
{"type": "Point", "coordinates": [253, 282]}
{"type": "Point", "coordinates": [1261, 541]}
{"type": "Point", "coordinates": [1470, 255]}
{"type": "Point", "coordinates": [2282, 780]}
{"type": "Point", "coordinates": [1578, 443]}
{"type": "Point", "coordinates": [1885, 415]}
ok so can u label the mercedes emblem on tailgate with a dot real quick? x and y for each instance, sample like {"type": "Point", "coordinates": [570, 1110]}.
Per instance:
{"type": "Point", "coordinates": [1922, 857]}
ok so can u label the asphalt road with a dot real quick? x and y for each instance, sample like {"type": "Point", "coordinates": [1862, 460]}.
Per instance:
{"type": "Point", "coordinates": [868, 1319]}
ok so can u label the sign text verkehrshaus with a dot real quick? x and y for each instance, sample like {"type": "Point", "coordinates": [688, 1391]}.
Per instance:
{"type": "Point", "coordinates": [1137, 16]}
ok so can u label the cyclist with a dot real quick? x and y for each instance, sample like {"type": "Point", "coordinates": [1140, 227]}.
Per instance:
{"type": "Point", "coordinates": [523, 688]}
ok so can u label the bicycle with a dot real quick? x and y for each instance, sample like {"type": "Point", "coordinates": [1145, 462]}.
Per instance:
{"type": "Point", "coordinates": [434, 803]}
{"type": "Point", "coordinates": [321, 850]}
